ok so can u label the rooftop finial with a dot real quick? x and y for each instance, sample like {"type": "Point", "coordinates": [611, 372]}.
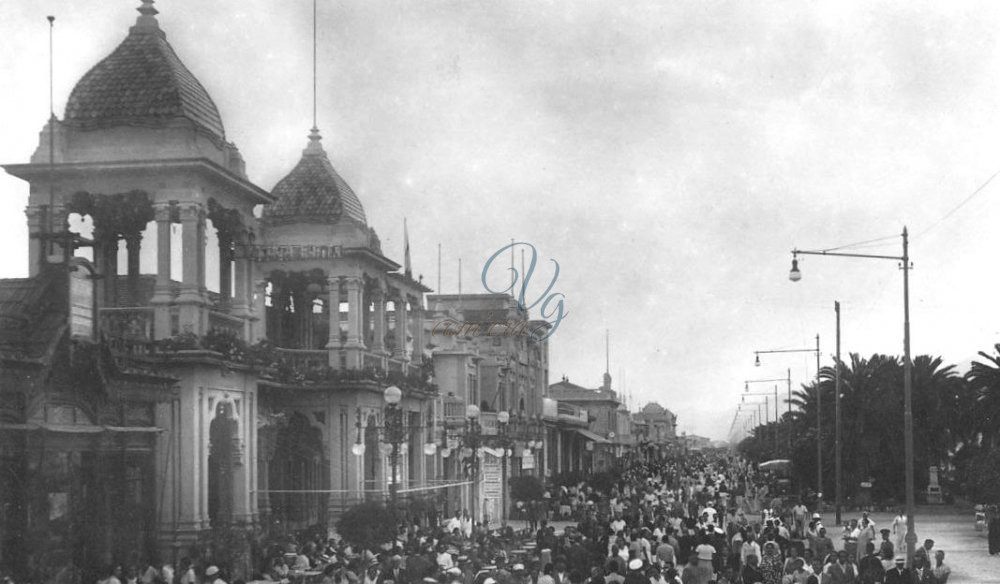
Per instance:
{"type": "Point", "coordinates": [147, 16]}
{"type": "Point", "coordinates": [314, 146]}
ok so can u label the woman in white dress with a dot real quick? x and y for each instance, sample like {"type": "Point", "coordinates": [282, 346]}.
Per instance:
{"type": "Point", "coordinates": [899, 531]}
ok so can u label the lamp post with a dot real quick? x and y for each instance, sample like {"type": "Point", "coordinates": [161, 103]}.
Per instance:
{"type": "Point", "coordinates": [746, 391]}
{"type": "Point", "coordinates": [473, 432]}
{"type": "Point", "coordinates": [819, 403]}
{"type": "Point", "coordinates": [795, 275]}
{"type": "Point", "coordinates": [394, 435]}
{"type": "Point", "coordinates": [503, 418]}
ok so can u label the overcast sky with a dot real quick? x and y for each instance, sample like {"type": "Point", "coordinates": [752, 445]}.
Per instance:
{"type": "Point", "coordinates": [668, 155]}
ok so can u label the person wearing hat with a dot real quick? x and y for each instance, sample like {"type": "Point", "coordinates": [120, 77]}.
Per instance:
{"type": "Point", "coordinates": [213, 575]}
{"type": "Point", "coordinates": [886, 550]}
{"type": "Point", "coordinates": [635, 574]}
{"type": "Point", "coordinates": [899, 574]}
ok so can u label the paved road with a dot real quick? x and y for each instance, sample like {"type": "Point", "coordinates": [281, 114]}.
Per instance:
{"type": "Point", "coordinates": [952, 529]}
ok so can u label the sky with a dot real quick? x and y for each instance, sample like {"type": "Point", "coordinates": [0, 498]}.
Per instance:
{"type": "Point", "coordinates": [668, 155]}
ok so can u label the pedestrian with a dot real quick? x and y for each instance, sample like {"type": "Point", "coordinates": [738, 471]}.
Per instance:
{"type": "Point", "coordinates": [899, 531]}
{"type": "Point", "coordinates": [870, 569]}
{"type": "Point", "coordinates": [941, 570]}
{"type": "Point", "coordinates": [899, 574]}
{"type": "Point", "coordinates": [750, 574]}
{"type": "Point", "coordinates": [771, 565]}
{"type": "Point", "coordinates": [213, 575]}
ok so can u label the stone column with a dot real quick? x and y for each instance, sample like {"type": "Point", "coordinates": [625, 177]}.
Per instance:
{"type": "Point", "coordinates": [418, 334]}
{"type": "Point", "coordinates": [241, 288]}
{"type": "Point", "coordinates": [400, 352]}
{"type": "Point", "coordinates": [354, 343]}
{"type": "Point", "coordinates": [110, 271]}
{"type": "Point", "coordinates": [133, 245]}
{"type": "Point", "coordinates": [191, 298]}
{"type": "Point", "coordinates": [258, 314]}
{"type": "Point", "coordinates": [36, 246]}
{"type": "Point", "coordinates": [225, 267]}
{"type": "Point", "coordinates": [333, 335]}
{"type": "Point", "coordinates": [162, 294]}
{"type": "Point", "coordinates": [378, 339]}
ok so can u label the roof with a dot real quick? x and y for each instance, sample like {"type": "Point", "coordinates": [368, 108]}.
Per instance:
{"type": "Point", "coordinates": [28, 324]}
{"type": "Point", "coordinates": [313, 192]}
{"type": "Point", "coordinates": [566, 391]}
{"type": "Point", "coordinates": [142, 82]}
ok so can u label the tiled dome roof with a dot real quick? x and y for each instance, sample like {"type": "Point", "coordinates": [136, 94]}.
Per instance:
{"type": "Point", "coordinates": [142, 82]}
{"type": "Point", "coordinates": [313, 192]}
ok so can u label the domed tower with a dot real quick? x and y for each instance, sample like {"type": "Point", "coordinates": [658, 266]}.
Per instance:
{"type": "Point", "coordinates": [142, 150]}
{"type": "Point", "coordinates": [142, 141]}
{"type": "Point", "coordinates": [328, 285]}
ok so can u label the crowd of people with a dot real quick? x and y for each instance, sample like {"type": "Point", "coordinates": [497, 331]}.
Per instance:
{"type": "Point", "coordinates": [696, 520]}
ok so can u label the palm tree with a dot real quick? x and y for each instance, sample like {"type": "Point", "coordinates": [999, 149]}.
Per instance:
{"type": "Point", "coordinates": [984, 383]}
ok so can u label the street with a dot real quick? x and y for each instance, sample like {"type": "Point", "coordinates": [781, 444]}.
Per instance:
{"type": "Point", "coordinates": [951, 528]}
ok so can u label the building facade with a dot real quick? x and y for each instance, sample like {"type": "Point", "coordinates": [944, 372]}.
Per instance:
{"type": "Point", "coordinates": [236, 389]}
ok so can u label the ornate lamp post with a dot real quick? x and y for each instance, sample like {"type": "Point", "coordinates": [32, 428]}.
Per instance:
{"type": "Point", "coordinates": [473, 435]}
{"type": "Point", "coordinates": [503, 418]}
{"type": "Point", "coordinates": [395, 435]}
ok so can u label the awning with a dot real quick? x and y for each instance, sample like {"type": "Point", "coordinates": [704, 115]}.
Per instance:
{"type": "Point", "coordinates": [592, 437]}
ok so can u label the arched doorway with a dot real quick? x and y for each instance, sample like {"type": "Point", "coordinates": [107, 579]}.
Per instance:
{"type": "Point", "coordinates": [299, 464]}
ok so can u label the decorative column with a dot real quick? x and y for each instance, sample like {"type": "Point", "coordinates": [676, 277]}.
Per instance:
{"type": "Point", "coordinates": [258, 313]}
{"type": "Point", "coordinates": [225, 267]}
{"type": "Point", "coordinates": [241, 288]}
{"type": "Point", "coordinates": [401, 327]}
{"type": "Point", "coordinates": [133, 244]}
{"type": "Point", "coordinates": [418, 334]}
{"type": "Point", "coordinates": [36, 246]}
{"type": "Point", "coordinates": [378, 339]}
{"type": "Point", "coordinates": [162, 294]}
{"type": "Point", "coordinates": [354, 344]}
{"type": "Point", "coordinates": [191, 298]}
{"type": "Point", "coordinates": [333, 335]}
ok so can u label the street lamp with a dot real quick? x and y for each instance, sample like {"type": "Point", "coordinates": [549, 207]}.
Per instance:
{"type": "Point", "coordinates": [795, 275]}
{"type": "Point", "coordinates": [746, 391]}
{"type": "Point", "coordinates": [503, 418]}
{"type": "Point", "coordinates": [394, 435]}
{"type": "Point", "coordinates": [473, 432]}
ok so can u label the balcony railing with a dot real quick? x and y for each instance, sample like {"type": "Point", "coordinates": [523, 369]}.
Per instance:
{"type": "Point", "coordinates": [222, 321]}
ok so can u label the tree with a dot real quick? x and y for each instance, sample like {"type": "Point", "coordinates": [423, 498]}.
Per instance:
{"type": "Point", "coordinates": [526, 488]}
{"type": "Point", "coordinates": [984, 381]}
{"type": "Point", "coordinates": [367, 525]}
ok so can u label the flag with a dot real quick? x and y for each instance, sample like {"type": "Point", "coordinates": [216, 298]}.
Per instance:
{"type": "Point", "coordinates": [407, 269]}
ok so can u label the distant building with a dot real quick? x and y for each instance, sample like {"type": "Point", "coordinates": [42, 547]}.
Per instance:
{"type": "Point", "coordinates": [610, 431]}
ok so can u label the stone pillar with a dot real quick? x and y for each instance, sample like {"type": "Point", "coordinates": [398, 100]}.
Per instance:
{"type": "Point", "coordinates": [354, 343]}
{"type": "Point", "coordinates": [191, 298]}
{"type": "Point", "coordinates": [400, 351]}
{"type": "Point", "coordinates": [241, 289]}
{"type": "Point", "coordinates": [378, 339]}
{"type": "Point", "coordinates": [133, 245]}
{"type": "Point", "coordinates": [258, 314]}
{"type": "Point", "coordinates": [36, 246]}
{"type": "Point", "coordinates": [109, 257]}
{"type": "Point", "coordinates": [202, 249]}
{"type": "Point", "coordinates": [162, 294]}
{"type": "Point", "coordinates": [418, 335]}
{"type": "Point", "coordinates": [225, 267]}
{"type": "Point", "coordinates": [333, 335]}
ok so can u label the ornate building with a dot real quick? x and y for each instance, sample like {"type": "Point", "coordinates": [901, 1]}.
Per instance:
{"type": "Point", "coordinates": [144, 415]}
